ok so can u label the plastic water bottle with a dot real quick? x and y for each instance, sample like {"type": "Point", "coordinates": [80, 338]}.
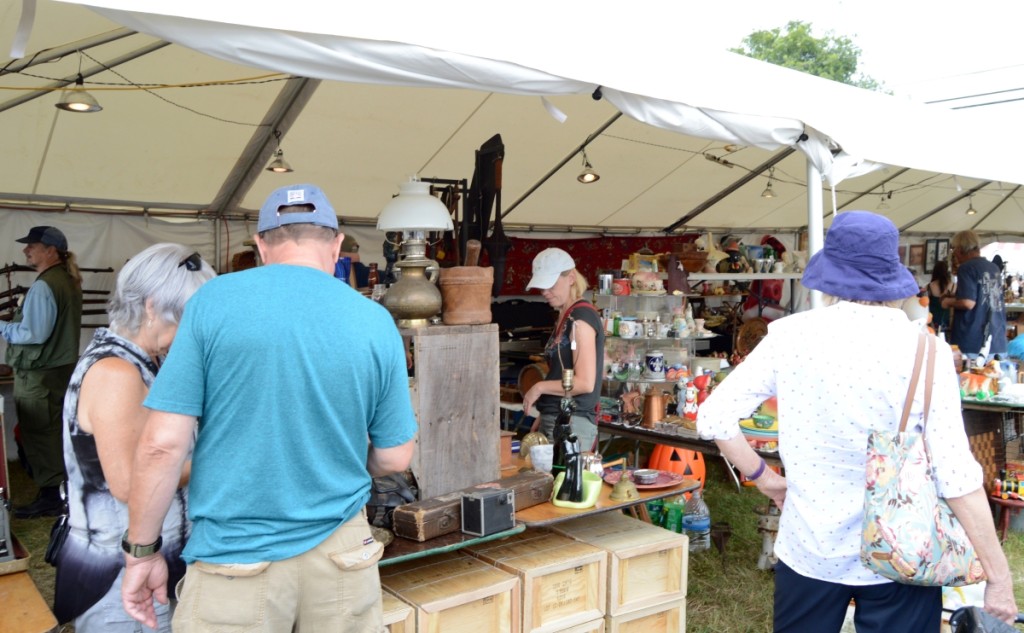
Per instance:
{"type": "Point", "coordinates": [697, 522]}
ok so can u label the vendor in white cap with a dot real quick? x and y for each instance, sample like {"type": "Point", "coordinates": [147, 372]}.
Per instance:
{"type": "Point", "coordinates": [576, 343]}
{"type": "Point", "coordinates": [840, 373]}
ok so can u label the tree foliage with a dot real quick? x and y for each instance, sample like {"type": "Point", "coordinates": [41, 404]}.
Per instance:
{"type": "Point", "coordinates": [833, 56]}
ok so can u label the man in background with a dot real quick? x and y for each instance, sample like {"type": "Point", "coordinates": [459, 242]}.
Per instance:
{"type": "Point", "coordinates": [348, 268]}
{"type": "Point", "coordinates": [301, 388]}
{"type": "Point", "coordinates": [43, 341]}
{"type": "Point", "coordinates": [978, 308]}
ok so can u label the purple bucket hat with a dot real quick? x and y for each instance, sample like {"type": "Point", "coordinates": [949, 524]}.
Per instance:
{"type": "Point", "coordinates": [861, 260]}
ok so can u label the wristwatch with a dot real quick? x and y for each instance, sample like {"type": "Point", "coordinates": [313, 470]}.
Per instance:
{"type": "Point", "coordinates": [139, 551]}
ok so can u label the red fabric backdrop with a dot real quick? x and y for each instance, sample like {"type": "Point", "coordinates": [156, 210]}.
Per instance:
{"type": "Point", "coordinates": [591, 255]}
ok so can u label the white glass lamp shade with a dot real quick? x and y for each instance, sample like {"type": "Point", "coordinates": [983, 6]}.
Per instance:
{"type": "Point", "coordinates": [414, 209]}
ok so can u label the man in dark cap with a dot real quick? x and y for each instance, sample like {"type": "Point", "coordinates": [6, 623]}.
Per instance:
{"type": "Point", "coordinates": [43, 345]}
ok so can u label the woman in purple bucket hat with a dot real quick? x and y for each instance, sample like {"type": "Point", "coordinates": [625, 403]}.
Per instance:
{"type": "Point", "coordinates": [841, 372]}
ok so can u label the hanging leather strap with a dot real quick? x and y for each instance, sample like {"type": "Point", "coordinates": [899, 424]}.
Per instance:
{"type": "Point", "coordinates": [929, 379]}
{"type": "Point", "coordinates": [912, 389]}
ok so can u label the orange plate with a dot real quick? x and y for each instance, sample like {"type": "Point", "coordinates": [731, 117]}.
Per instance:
{"type": "Point", "coordinates": [665, 479]}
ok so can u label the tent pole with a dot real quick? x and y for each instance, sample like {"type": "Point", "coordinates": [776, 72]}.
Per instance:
{"type": "Point", "coordinates": [815, 223]}
{"type": "Point", "coordinates": [50, 54]}
{"type": "Point", "coordinates": [958, 198]}
{"type": "Point", "coordinates": [724, 193]}
{"type": "Point", "coordinates": [579, 148]}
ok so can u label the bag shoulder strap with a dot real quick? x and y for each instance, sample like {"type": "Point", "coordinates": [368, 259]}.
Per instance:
{"type": "Point", "coordinates": [913, 383]}
{"type": "Point", "coordinates": [929, 379]}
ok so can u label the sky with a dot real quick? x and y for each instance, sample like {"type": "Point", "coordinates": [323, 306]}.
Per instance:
{"type": "Point", "coordinates": [919, 50]}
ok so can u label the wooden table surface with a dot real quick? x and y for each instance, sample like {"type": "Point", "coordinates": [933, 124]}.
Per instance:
{"type": "Point", "coordinates": [548, 513]}
{"type": "Point", "coordinates": [22, 609]}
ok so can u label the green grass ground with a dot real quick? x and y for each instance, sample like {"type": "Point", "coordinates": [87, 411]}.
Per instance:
{"type": "Point", "coordinates": [727, 594]}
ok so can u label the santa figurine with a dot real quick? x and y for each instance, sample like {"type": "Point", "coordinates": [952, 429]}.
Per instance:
{"type": "Point", "coordinates": [690, 405]}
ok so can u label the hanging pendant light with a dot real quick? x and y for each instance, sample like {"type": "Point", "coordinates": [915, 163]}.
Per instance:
{"type": "Point", "coordinates": [77, 99]}
{"type": "Point", "coordinates": [768, 191]}
{"type": "Point", "coordinates": [970, 206]}
{"type": "Point", "coordinates": [588, 175]}
{"type": "Point", "coordinates": [278, 164]}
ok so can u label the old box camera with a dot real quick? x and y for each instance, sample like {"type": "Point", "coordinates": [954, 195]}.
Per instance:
{"type": "Point", "coordinates": [488, 511]}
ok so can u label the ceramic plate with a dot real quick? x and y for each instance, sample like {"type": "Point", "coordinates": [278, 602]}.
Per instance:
{"type": "Point", "coordinates": [666, 479]}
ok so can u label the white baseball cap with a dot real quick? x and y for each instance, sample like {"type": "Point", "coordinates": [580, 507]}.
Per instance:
{"type": "Point", "coordinates": [547, 266]}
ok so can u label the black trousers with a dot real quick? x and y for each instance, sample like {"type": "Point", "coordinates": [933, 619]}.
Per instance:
{"type": "Point", "coordinates": [805, 605]}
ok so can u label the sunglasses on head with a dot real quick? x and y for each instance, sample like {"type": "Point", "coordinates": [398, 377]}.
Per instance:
{"type": "Point", "coordinates": [193, 262]}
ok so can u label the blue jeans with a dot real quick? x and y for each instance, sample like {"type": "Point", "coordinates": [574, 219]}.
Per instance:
{"type": "Point", "coordinates": [108, 615]}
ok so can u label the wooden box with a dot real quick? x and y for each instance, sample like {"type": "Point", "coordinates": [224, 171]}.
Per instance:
{"type": "Point", "coordinates": [668, 617]}
{"type": "Point", "coordinates": [399, 617]}
{"type": "Point", "coordinates": [456, 593]}
{"type": "Point", "coordinates": [594, 626]}
{"type": "Point", "coordinates": [455, 397]}
{"type": "Point", "coordinates": [562, 581]}
{"type": "Point", "coordinates": [646, 564]}
{"type": "Point", "coordinates": [424, 520]}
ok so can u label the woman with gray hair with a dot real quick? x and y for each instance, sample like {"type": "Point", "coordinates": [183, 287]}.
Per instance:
{"type": "Point", "coordinates": [103, 418]}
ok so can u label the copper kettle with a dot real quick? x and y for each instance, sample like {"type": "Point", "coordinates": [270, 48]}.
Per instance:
{"type": "Point", "coordinates": [655, 403]}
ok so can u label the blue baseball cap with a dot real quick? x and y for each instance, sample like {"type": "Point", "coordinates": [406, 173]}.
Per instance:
{"type": "Point", "coordinates": [321, 214]}
{"type": "Point", "coordinates": [49, 235]}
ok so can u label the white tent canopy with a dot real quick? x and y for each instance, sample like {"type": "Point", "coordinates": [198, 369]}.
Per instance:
{"type": "Point", "coordinates": [391, 95]}
{"type": "Point", "coordinates": [640, 62]}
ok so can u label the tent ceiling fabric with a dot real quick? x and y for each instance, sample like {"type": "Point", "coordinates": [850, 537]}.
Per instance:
{"type": "Point", "coordinates": [359, 138]}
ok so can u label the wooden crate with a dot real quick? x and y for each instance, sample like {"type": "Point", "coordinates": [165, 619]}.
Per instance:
{"type": "Point", "coordinates": [455, 396]}
{"type": "Point", "coordinates": [594, 626]}
{"type": "Point", "coordinates": [668, 617]}
{"type": "Point", "coordinates": [562, 581]}
{"type": "Point", "coordinates": [456, 593]}
{"type": "Point", "coordinates": [646, 564]}
{"type": "Point", "coordinates": [399, 616]}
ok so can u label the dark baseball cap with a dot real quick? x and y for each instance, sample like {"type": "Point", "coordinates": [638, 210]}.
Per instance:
{"type": "Point", "coordinates": [49, 235]}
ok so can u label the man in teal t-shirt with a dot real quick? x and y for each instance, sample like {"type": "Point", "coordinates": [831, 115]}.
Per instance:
{"type": "Point", "coordinates": [300, 390]}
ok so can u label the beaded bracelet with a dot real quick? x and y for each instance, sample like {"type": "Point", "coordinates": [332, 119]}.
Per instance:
{"type": "Point", "coordinates": [760, 471]}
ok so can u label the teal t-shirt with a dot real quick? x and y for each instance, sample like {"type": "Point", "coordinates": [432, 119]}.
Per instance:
{"type": "Point", "coordinates": [290, 374]}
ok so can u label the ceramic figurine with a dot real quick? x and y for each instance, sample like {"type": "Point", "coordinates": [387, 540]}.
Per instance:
{"type": "Point", "coordinates": [690, 405]}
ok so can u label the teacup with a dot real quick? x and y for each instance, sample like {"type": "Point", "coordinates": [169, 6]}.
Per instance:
{"type": "Point", "coordinates": [629, 329]}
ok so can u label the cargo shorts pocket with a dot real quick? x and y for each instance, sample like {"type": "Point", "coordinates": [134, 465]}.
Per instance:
{"type": "Point", "coordinates": [360, 557]}
{"type": "Point", "coordinates": [234, 570]}
{"type": "Point", "coordinates": [231, 597]}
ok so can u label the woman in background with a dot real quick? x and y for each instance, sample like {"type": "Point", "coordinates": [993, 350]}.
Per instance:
{"type": "Point", "coordinates": [940, 286]}
{"type": "Point", "coordinates": [576, 343]}
{"type": "Point", "coordinates": [103, 418]}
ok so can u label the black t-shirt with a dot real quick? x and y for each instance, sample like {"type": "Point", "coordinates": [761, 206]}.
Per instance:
{"type": "Point", "coordinates": [558, 351]}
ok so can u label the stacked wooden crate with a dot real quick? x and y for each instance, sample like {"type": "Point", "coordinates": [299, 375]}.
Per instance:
{"type": "Point", "coordinates": [647, 568]}
{"type": "Point", "coordinates": [456, 593]}
{"type": "Point", "coordinates": [563, 581]}
{"type": "Point", "coordinates": [399, 616]}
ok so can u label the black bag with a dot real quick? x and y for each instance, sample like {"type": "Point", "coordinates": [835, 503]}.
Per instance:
{"type": "Point", "coordinates": [58, 534]}
{"type": "Point", "coordinates": [975, 620]}
{"type": "Point", "coordinates": [386, 494]}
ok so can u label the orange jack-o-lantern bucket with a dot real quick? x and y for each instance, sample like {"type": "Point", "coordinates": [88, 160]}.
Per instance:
{"type": "Point", "coordinates": [689, 464]}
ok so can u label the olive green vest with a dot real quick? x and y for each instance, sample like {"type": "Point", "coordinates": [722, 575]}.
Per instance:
{"type": "Point", "coordinates": [61, 348]}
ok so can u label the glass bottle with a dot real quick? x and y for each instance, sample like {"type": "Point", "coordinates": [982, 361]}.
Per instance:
{"type": "Point", "coordinates": [374, 276]}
